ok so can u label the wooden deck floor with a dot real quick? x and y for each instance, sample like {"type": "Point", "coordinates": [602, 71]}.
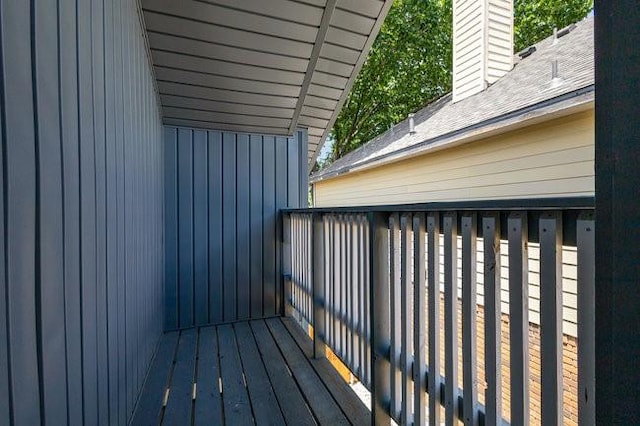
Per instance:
{"type": "Point", "coordinates": [257, 372]}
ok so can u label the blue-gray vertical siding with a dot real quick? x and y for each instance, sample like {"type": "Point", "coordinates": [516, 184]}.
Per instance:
{"type": "Point", "coordinates": [223, 194]}
{"type": "Point", "coordinates": [81, 212]}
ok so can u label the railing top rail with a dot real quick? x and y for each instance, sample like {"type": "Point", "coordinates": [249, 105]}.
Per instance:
{"type": "Point", "coordinates": [528, 204]}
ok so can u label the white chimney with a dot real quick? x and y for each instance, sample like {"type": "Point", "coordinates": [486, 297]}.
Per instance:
{"type": "Point", "coordinates": [482, 44]}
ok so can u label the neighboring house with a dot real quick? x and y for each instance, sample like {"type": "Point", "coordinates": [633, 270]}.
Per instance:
{"type": "Point", "coordinates": [514, 127]}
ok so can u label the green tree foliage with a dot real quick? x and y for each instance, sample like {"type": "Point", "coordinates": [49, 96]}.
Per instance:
{"type": "Point", "coordinates": [410, 62]}
{"type": "Point", "coordinates": [535, 20]}
{"type": "Point", "coordinates": [407, 66]}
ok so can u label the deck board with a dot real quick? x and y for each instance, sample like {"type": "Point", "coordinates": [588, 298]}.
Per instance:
{"type": "Point", "coordinates": [237, 408]}
{"type": "Point", "coordinates": [179, 403]}
{"type": "Point", "coordinates": [266, 410]}
{"type": "Point", "coordinates": [150, 403]}
{"type": "Point", "coordinates": [354, 408]}
{"type": "Point", "coordinates": [208, 408]}
{"type": "Point", "coordinates": [325, 409]}
{"type": "Point", "coordinates": [256, 372]}
{"type": "Point", "coordinates": [294, 406]}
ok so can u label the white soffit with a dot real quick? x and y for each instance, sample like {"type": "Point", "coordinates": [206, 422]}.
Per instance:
{"type": "Point", "coordinates": [263, 66]}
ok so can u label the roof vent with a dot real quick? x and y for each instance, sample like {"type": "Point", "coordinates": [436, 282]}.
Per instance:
{"type": "Point", "coordinates": [555, 35]}
{"type": "Point", "coordinates": [527, 52]}
{"type": "Point", "coordinates": [555, 77]}
{"type": "Point", "coordinates": [563, 32]}
{"type": "Point", "coordinates": [412, 128]}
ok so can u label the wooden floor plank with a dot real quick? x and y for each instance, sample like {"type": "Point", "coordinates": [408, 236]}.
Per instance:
{"type": "Point", "coordinates": [351, 405]}
{"type": "Point", "coordinates": [149, 406]}
{"type": "Point", "coordinates": [266, 373]}
{"type": "Point", "coordinates": [294, 406]}
{"type": "Point", "coordinates": [264, 403]}
{"type": "Point", "coordinates": [321, 402]}
{"type": "Point", "coordinates": [208, 404]}
{"type": "Point", "coordinates": [237, 409]}
{"type": "Point", "coordinates": [179, 403]}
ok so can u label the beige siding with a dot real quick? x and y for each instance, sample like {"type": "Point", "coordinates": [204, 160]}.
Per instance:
{"type": "Point", "coordinates": [553, 159]}
{"type": "Point", "coordinates": [547, 160]}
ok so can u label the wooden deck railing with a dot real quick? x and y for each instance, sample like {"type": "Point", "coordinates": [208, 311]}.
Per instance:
{"type": "Point", "coordinates": [351, 274]}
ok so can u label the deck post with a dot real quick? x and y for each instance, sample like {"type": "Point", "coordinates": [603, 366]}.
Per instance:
{"type": "Point", "coordinates": [286, 263]}
{"type": "Point", "coordinates": [379, 320]}
{"type": "Point", "coordinates": [617, 152]}
{"type": "Point", "coordinates": [319, 345]}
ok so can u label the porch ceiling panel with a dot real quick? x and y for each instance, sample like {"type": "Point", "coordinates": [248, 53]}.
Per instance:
{"type": "Point", "coordinates": [259, 66]}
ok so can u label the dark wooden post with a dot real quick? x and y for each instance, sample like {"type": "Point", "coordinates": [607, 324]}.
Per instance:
{"type": "Point", "coordinates": [286, 263]}
{"type": "Point", "coordinates": [617, 234]}
{"type": "Point", "coordinates": [319, 345]}
{"type": "Point", "coordinates": [380, 324]}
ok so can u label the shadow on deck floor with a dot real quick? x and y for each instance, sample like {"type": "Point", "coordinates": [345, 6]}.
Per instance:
{"type": "Point", "coordinates": [252, 372]}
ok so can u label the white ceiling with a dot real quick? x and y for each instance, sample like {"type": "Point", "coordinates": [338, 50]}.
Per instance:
{"type": "Point", "coordinates": [263, 66]}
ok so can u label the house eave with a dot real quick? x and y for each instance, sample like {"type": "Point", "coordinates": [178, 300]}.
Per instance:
{"type": "Point", "coordinates": [253, 66]}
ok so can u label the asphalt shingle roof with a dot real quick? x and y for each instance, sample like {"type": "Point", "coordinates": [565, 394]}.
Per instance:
{"type": "Point", "coordinates": [528, 84]}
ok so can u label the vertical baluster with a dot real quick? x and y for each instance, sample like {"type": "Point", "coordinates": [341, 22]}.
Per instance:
{"type": "Point", "coordinates": [367, 293]}
{"type": "Point", "coordinates": [405, 306]}
{"type": "Point", "coordinates": [303, 272]}
{"type": "Point", "coordinates": [340, 347]}
{"type": "Point", "coordinates": [332, 263]}
{"type": "Point", "coordinates": [433, 281]}
{"type": "Point", "coordinates": [294, 274]}
{"type": "Point", "coordinates": [379, 290]}
{"type": "Point", "coordinates": [298, 264]}
{"type": "Point", "coordinates": [359, 283]}
{"type": "Point", "coordinates": [492, 320]}
{"type": "Point", "coordinates": [286, 259]}
{"type": "Point", "coordinates": [328, 278]}
{"type": "Point", "coordinates": [350, 287]}
{"type": "Point", "coordinates": [307, 293]}
{"type": "Point", "coordinates": [336, 287]}
{"type": "Point", "coordinates": [395, 311]}
{"type": "Point", "coordinates": [354, 296]}
{"type": "Point", "coordinates": [450, 317]}
{"type": "Point", "coordinates": [519, 317]}
{"type": "Point", "coordinates": [299, 274]}
{"type": "Point", "coordinates": [469, 314]}
{"type": "Point", "coordinates": [304, 295]}
{"type": "Point", "coordinates": [310, 269]}
{"type": "Point", "coordinates": [318, 284]}
{"type": "Point", "coordinates": [344, 303]}
{"type": "Point", "coordinates": [300, 243]}
{"type": "Point", "coordinates": [338, 293]}
{"type": "Point", "coordinates": [364, 285]}
{"type": "Point", "coordinates": [347, 241]}
{"type": "Point", "coordinates": [586, 319]}
{"type": "Point", "coordinates": [551, 317]}
{"type": "Point", "coordinates": [293, 261]}
{"type": "Point", "coordinates": [419, 321]}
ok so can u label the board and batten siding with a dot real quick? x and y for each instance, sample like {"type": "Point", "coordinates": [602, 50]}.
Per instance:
{"type": "Point", "coordinates": [224, 191]}
{"type": "Point", "coordinates": [552, 159]}
{"type": "Point", "coordinates": [81, 212]}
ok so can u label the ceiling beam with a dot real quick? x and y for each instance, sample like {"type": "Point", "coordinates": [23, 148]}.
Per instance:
{"type": "Point", "coordinates": [354, 74]}
{"type": "Point", "coordinates": [329, 8]}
